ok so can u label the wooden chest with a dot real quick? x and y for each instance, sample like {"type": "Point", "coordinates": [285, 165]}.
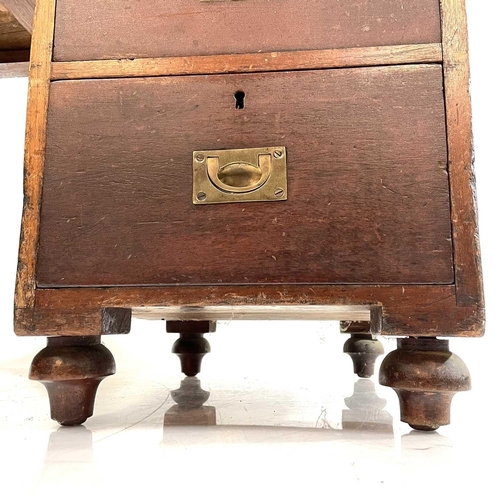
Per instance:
{"type": "Point", "coordinates": [200, 160]}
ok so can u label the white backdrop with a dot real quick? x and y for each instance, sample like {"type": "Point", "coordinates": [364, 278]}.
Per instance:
{"type": "Point", "coordinates": [285, 463]}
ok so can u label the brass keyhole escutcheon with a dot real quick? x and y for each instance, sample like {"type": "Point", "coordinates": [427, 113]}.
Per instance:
{"type": "Point", "coordinates": [236, 175]}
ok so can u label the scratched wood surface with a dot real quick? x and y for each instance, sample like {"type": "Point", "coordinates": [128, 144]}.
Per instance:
{"type": "Point", "coordinates": [100, 29]}
{"type": "Point", "coordinates": [34, 157]}
{"type": "Point", "coordinates": [462, 179]}
{"type": "Point", "coordinates": [421, 310]}
{"type": "Point", "coordinates": [250, 63]}
{"type": "Point", "coordinates": [367, 194]}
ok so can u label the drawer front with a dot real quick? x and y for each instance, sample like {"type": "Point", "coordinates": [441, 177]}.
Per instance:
{"type": "Point", "coordinates": [368, 194]}
{"type": "Point", "coordinates": [100, 29]}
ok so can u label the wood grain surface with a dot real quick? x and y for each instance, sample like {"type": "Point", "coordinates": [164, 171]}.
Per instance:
{"type": "Point", "coordinates": [415, 310]}
{"type": "Point", "coordinates": [368, 195]}
{"type": "Point", "coordinates": [467, 257]}
{"type": "Point", "coordinates": [34, 157]}
{"type": "Point", "coordinates": [73, 321]}
{"type": "Point", "coordinates": [250, 63]}
{"type": "Point", "coordinates": [122, 29]}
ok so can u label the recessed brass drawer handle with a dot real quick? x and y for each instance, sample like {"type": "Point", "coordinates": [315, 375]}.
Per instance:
{"type": "Point", "coordinates": [239, 175]}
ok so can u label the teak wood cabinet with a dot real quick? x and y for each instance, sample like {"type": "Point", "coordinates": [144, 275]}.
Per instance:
{"type": "Point", "coordinates": [201, 160]}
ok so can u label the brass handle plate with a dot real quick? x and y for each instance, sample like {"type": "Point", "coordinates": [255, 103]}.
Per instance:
{"type": "Point", "coordinates": [239, 175]}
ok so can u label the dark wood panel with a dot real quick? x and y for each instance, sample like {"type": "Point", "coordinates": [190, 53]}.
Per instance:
{"type": "Point", "coordinates": [368, 198]}
{"type": "Point", "coordinates": [72, 322]}
{"type": "Point", "coordinates": [100, 29]}
{"type": "Point", "coordinates": [14, 56]}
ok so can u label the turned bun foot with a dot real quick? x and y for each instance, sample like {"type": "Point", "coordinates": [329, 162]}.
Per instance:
{"type": "Point", "coordinates": [71, 401]}
{"type": "Point", "coordinates": [361, 347]}
{"type": "Point", "coordinates": [191, 346]}
{"type": "Point", "coordinates": [426, 376]}
{"type": "Point", "coordinates": [71, 369]}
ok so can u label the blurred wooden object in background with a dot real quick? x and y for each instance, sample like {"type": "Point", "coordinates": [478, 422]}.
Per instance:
{"type": "Point", "coordinates": [16, 20]}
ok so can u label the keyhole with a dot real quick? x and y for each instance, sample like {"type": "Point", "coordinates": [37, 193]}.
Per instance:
{"type": "Point", "coordinates": [240, 99]}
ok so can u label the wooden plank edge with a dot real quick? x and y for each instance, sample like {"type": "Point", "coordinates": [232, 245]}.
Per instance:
{"type": "Point", "coordinates": [256, 295]}
{"type": "Point", "coordinates": [249, 63]}
{"type": "Point", "coordinates": [14, 69]}
{"type": "Point", "coordinates": [410, 310]}
{"type": "Point", "coordinates": [38, 96]}
{"type": "Point", "coordinates": [72, 322]}
{"type": "Point", "coordinates": [248, 312]}
{"type": "Point", "coordinates": [467, 260]}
